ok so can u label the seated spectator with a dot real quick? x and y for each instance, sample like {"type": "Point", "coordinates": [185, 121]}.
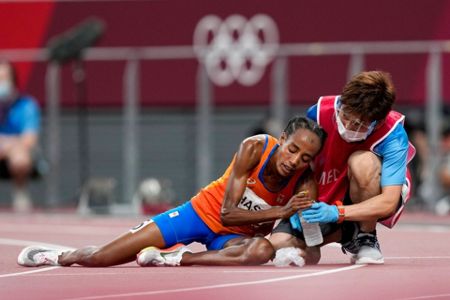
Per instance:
{"type": "Point", "coordinates": [442, 206]}
{"type": "Point", "coordinates": [19, 130]}
{"type": "Point", "coordinates": [444, 174]}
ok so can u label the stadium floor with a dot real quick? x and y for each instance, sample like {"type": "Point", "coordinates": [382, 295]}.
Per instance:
{"type": "Point", "coordinates": [417, 265]}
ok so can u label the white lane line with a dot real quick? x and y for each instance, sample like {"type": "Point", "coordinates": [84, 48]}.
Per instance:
{"type": "Point", "coordinates": [217, 286]}
{"type": "Point", "coordinates": [418, 257]}
{"type": "Point", "coordinates": [28, 272]}
{"type": "Point", "coordinates": [85, 274]}
{"type": "Point", "coordinates": [12, 242]}
{"type": "Point", "coordinates": [446, 296]}
{"type": "Point", "coordinates": [295, 270]}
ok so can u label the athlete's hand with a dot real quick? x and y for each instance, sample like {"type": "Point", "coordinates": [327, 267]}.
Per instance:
{"type": "Point", "coordinates": [299, 201]}
{"type": "Point", "coordinates": [321, 212]}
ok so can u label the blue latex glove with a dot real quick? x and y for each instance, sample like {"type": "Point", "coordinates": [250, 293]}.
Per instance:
{"type": "Point", "coordinates": [295, 222]}
{"type": "Point", "coordinates": [321, 212]}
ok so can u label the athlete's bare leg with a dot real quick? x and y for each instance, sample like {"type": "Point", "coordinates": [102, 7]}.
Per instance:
{"type": "Point", "coordinates": [237, 252]}
{"type": "Point", "coordinates": [364, 173]}
{"type": "Point", "coordinates": [122, 250]}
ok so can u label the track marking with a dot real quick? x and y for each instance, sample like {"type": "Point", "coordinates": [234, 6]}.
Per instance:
{"type": "Point", "coordinates": [29, 272]}
{"type": "Point", "coordinates": [84, 274]}
{"type": "Point", "coordinates": [418, 257]}
{"type": "Point", "coordinates": [12, 242]}
{"type": "Point", "coordinates": [427, 297]}
{"type": "Point", "coordinates": [217, 286]}
{"type": "Point", "coordinates": [295, 270]}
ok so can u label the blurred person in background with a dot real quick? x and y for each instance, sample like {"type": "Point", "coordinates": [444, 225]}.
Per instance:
{"type": "Point", "coordinates": [443, 205]}
{"type": "Point", "coordinates": [19, 130]}
{"type": "Point", "coordinates": [419, 165]}
{"type": "Point", "coordinates": [268, 125]}
{"type": "Point", "coordinates": [445, 166]}
{"type": "Point", "coordinates": [231, 216]}
{"type": "Point", "coordinates": [362, 171]}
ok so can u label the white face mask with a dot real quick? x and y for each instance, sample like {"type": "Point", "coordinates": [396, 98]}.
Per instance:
{"type": "Point", "coordinates": [350, 135]}
{"type": "Point", "coordinates": [6, 90]}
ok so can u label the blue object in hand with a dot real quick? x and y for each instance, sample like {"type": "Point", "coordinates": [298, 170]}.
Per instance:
{"type": "Point", "coordinates": [295, 222]}
{"type": "Point", "coordinates": [321, 212]}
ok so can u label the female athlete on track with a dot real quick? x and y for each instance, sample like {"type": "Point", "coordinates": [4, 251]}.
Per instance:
{"type": "Point", "coordinates": [230, 216]}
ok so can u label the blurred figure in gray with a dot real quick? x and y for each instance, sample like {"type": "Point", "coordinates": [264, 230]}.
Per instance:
{"type": "Point", "coordinates": [268, 125]}
{"type": "Point", "coordinates": [19, 130]}
{"type": "Point", "coordinates": [419, 165]}
{"type": "Point", "coordinates": [443, 205]}
{"type": "Point", "coordinates": [155, 196]}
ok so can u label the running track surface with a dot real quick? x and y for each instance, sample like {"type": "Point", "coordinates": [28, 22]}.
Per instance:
{"type": "Point", "coordinates": [417, 266]}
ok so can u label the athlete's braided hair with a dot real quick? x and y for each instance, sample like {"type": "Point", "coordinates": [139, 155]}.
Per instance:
{"type": "Point", "coordinates": [299, 122]}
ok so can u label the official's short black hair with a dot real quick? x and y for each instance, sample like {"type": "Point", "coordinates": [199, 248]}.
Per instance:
{"type": "Point", "coordinates": [370, 95]}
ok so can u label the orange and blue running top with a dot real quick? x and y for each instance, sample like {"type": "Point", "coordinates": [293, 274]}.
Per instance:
{"type": "Point", "coordinates": [208, 202]}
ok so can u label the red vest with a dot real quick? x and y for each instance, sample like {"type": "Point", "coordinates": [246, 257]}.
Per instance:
{"type": "Point", "coordinates": [330, 166]}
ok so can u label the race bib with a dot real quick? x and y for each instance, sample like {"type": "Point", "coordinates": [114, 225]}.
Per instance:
{"type": "Point", "coordinates": [253, 202]}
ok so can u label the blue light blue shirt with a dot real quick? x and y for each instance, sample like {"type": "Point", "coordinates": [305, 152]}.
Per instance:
{"type": "Point", "coordinates": [393, 151]}
{"type": "Point", "coordinates": [22, 117]}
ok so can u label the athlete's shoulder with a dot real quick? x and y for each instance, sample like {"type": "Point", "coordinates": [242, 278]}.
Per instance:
{"type": "Point", "coordinates": [258, 143]}
{"type": "Point", "coordinates": [251, 151]}
{"type": "Point", "coordinates": [254, 144]}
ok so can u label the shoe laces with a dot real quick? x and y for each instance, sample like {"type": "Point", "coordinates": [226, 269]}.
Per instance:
{"type": "Point", "coordinates": [368, 239]}
{"type": "Point", "coordinates": [42, 258]}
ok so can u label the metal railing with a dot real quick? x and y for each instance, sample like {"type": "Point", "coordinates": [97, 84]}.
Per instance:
{"type": "Point", "coordinates": [279, 102]}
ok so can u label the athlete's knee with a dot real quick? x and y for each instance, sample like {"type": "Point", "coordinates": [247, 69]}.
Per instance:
{"type": "Point", "coordinates": [259, 251]}
{"type": "Point", "coordinates": [364, 169]}
{"type": "Point", "coordinates": [282, 240]}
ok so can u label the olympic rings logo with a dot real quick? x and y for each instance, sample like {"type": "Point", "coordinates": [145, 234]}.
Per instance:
{"type": "Point", "coordinates": [236, 49]}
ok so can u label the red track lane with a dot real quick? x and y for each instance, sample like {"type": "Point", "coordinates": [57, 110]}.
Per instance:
{"type": "Point", "coordinates": [417, 266]}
